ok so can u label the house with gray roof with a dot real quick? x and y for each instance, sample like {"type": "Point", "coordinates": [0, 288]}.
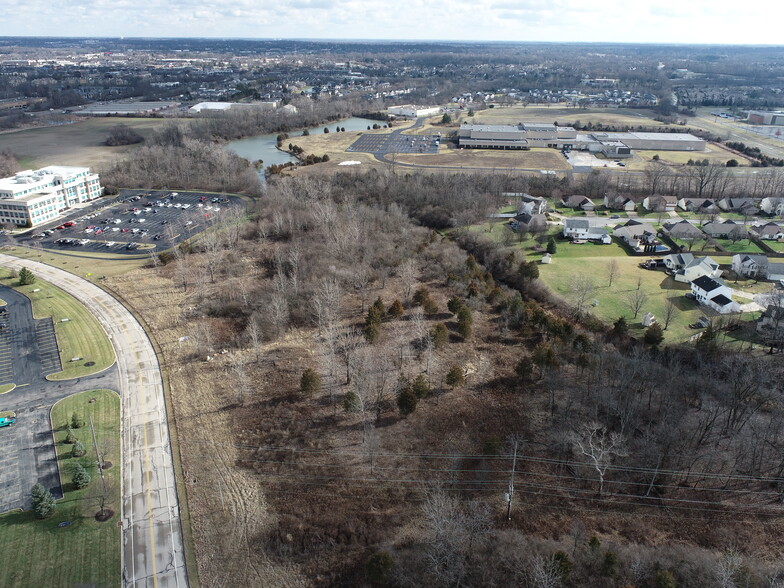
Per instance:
{"type": "Point", "coordinates": [585, 229]}
{"type": "Point", "coordinates": [683, 230]}
{"type": "Point", "coordinates": [769, 231]}
{"type": "Point", "coordinates": [727, 229]}
{"type": "Point", "coordinates": [758, 267]}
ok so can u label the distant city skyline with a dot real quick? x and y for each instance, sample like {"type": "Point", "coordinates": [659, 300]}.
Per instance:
{"type": "Point", "coordinates": [666, 21]}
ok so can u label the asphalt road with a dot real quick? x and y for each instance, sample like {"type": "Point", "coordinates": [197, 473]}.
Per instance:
{"type": "Point", "coordinates": [152, 550]}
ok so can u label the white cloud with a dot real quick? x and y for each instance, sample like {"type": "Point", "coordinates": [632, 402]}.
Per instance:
{"type": "Point", "coordinates": [667, 21]}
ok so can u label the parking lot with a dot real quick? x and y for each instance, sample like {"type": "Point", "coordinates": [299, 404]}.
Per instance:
{"type": "Point", "coordinates": [396, 143]}
{"type": "Point", "coordinates": [135, 220]}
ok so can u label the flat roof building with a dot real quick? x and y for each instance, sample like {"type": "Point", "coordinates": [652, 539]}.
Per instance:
{"type": "Point", "coordinates": [413, 111]}
{"type": "Point", "coordinates": [761, 117]}
{"type": "Point", "coordinates": [125, 108]}
{"type": "Point", "coordinates": [527, 135]}
{"type": "Point", "coordinates": [31, 198]}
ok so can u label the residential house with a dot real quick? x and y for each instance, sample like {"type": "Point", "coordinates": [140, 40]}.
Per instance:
{"type": "Point", "coordinates": [698, 205]}
{"type": "Point", "coordinates": [696, 268]}
{"type": "Point", "coordinates": [637, 235]}
{"type": "Point", "coordinates": [726, 230]}
{"type": "Point", "coordinates": [677, 261]}
{"type": "Point", "coordinates": [772, 205]}
{"type": "Point", "coordinates": [624, 202]}
{"type": "Point", "coordinates": [683, 230]}
{"type": "Point", "coordinates": [758, 267]}
{"type": "Point", "coordinates": [769, 231]}
{"type": "Point", "coordinates": [578, 202]}
{"type": "Point", "coordinates": [746, 206]}
{"type": "Point", "coordinates": [770, 324]}
{"type": "Point", "coordinates": [528, 204]}
{"type": "Point", "coordinates": [659, 203]}
{"type": "Point", "coordinates": [585, 229]}
{"type": "Point", "coordinates": [529, 223]}
{"type": "Point", "coordinates": [715, 294]}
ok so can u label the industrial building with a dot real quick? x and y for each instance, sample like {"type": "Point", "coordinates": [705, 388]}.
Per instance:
{"type": "Point", "coordinates": [761, 117]}
{"type": "Point", "coordinates": [413, 111]}
{"type": "Point", "coordinates": [125, 108]}
{"type": "Point", "coordinates": [31, 198]}
{"type": "Point", "coordinates": [209, 106]}
{"type": "Point", "coordinates": [528, 135]}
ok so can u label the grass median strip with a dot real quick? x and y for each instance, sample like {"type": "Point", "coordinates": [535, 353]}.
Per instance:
{"type": "Point", "coordinates": [79, 336]}
{"type": "Point", "coordinates": [85, 552]}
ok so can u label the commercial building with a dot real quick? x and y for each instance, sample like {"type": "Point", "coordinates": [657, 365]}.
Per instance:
{"type": "Point", "coordinates": [125, 108]}
{"type": "Point", "coordinates": [31, 198]}
{"type": "Point", "coordinates": [527, 135]}
{"type": "Point", "coordinates": [761, 117]}
{"type": "Point", "coordinates": [413, 111]}
{"type": "Point", "coordinates": [217, 106]}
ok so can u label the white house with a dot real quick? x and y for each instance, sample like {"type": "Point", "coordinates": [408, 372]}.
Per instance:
{"type": "Point", "coordinates": [757, 266]}
{"type": "Point", "coordinates": [772, 205]}
{"type": "Point", "coordinates": [585, 229]}
{"type": "Point", "coordinates": [696, 268]}
{"type": "Point", "coordinates": [714, 294]}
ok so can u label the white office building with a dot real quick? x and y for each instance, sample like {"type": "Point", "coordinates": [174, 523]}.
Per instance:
{"type": "Point", "coordinates": [31, 198]}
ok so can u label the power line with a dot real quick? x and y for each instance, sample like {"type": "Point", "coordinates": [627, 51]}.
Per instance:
{"type": "Point", "coordinates": [528, 458]}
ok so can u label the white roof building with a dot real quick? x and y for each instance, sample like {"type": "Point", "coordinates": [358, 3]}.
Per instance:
{"type": "Point", "coordinates": [30, 198]}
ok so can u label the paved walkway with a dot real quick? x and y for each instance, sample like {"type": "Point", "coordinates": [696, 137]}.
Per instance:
{"type": "Point", "coordinates": [152, 550]}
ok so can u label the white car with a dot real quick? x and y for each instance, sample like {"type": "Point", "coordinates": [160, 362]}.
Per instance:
{"type": "Point", "coordinates": [110, 244]}
{"type": "Point", "coordinates": [188, 223]}
{"type": "Point", "coordinates": [141, 220]}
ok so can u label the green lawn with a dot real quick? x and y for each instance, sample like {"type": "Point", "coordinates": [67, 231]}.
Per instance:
{"type": "Point", "coordinates": [7, 388]}
{"type": "Point", "coordinates": [80, 336]}
{"type": "Point", "coordinates": [85, 553]}
{"type": "Point", "coordinates": [776, 245]}
{"type": "Point", "coordinates": [559, 277]}
{"type": "Point", "coordinates": [743, 246]}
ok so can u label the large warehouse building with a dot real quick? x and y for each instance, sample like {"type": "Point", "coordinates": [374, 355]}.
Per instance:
{"type": "Point", "coordinates": [31, 198]}
{"type": "Point", "coordinates": [528, 135]}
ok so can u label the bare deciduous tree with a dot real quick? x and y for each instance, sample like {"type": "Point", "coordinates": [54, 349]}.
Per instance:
{"type": "Point", "coordinates": [635, 301]}
{"type": "Point", "coordinates": [600, 447]}
{"type": "Point", "coordinates": [582, 288]}
{"type": "Point", "coordinates": [669, 312]}
{"type": "Point", "coordinates": [612, 272]}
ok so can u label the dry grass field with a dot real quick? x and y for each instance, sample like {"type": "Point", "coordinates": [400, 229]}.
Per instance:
{"type": "Point", "coordinates": [537, 159]}
{"type": "Point", "coordinates": [566, 116]}
{"type": "Point", "coordinates": [80, 144]}
{"type": "Point", "coordinates": [714, 153]}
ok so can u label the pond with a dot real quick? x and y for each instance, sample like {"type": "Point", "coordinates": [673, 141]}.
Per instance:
{"type": "Point", "coordinates": [264, 147]}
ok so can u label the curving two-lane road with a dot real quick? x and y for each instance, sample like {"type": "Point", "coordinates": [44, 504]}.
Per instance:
{"type": "Point", "coordinates": [152, 551]}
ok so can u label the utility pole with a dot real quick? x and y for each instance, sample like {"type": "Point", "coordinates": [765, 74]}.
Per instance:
{"type": "Point", "coordinates": [510, 493]}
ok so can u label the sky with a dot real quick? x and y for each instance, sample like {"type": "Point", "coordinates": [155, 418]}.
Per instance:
{"type": "Point", "coordinates": [659, 21]}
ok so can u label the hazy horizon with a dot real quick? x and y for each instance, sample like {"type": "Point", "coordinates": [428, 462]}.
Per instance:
{"type": "Point", "coordinates": [700, 22]}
